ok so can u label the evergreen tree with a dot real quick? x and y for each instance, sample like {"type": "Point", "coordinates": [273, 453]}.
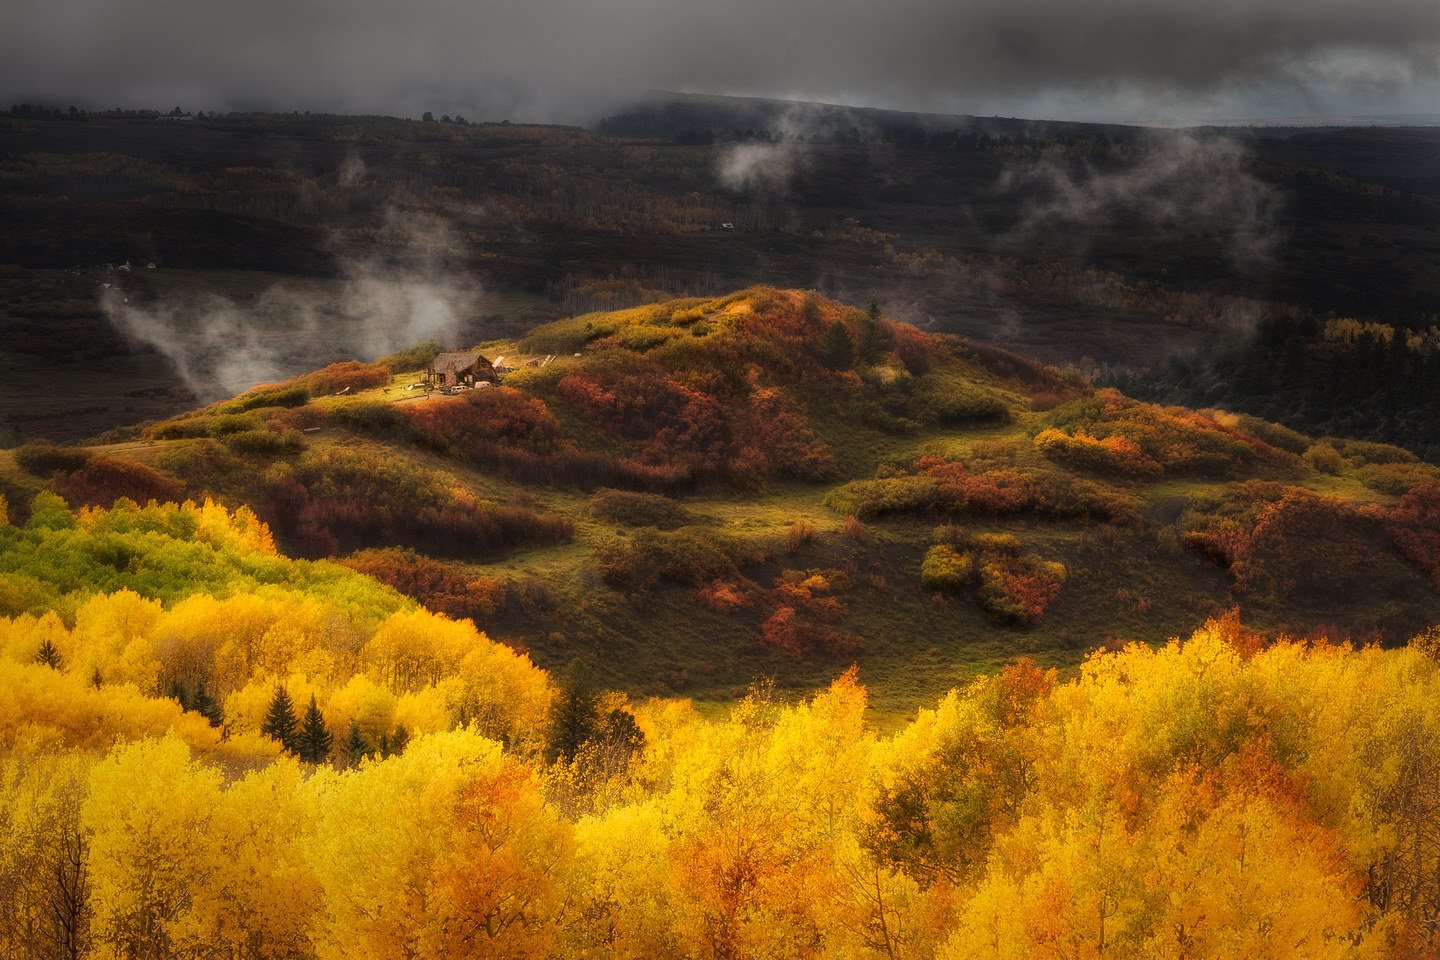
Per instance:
{"type": "Point", "coordinates": [872, 336]}
{"type": "Point", "coordinates": [205, 705]}
{"type": "Point", "coordinates": [836, 349]}
{"type": "Point", "coordinates": [96, 680]}
{"type": "Point", "coordinates": [179, 695]}
{"type": "Point", "coordinates": [398, 741]}
{"type": "Point", "coordinates": [48, 655]}
{"type": "Point", "coordinates": [355, 748]}
{"type": "Point", "coordinates": [572, 717]}
{"type": "Point", "coordinates": [314, 739]}
{"type": "Point", "coordinates": [280, 723]}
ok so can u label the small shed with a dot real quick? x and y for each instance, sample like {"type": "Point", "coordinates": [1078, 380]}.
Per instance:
{"type": "Point", "coordinates": [460, 369]}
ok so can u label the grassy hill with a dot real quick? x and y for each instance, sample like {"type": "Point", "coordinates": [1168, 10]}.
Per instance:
{"type": "Point", "coordinates": [698, 493]}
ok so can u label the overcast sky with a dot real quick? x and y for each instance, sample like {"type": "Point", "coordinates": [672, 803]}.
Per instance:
{"type": "Point", "coordinates": [1162, 60]}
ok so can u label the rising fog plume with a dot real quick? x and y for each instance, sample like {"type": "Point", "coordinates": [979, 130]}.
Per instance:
{"type": "Point", "coordinates": [764, 168]}
{"type": "Point", "coordinates": [572, 59]}
{"type": "Point", "coordinates": [221, 347]}
{"type": "Point", "coordinates": [1179, 184]}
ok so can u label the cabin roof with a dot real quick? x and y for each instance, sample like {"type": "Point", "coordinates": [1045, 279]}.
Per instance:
{"type": "Point", "coordinates": [456, 361]}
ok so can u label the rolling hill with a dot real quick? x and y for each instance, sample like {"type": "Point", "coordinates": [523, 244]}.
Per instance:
{"type": "Point", "coordinates": [695, 494]}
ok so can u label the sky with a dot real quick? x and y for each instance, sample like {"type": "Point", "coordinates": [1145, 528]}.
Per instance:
{"type": "Point", "coordinates": [574, 60]}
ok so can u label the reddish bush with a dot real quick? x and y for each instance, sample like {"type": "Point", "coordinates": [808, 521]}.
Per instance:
{"type": "Point", "coordinates": [342, 501]}
{"type": "Point", "coordinates": [1414, 528]}
{"type": "Point", "coordinates": [461, 426]}
{"type": "Point", "coordinates": [102, 481]}
{"type": "Point", "coordinates": [1306, 543]}
{"type": "Point", "coordinates": [440, 586]}
{"type": "Point", "coordinates": [806, 614]}
{"type": "Point", "coordinates": [350, 375]}
{"type": "Point", "coordinates": [723, 596]}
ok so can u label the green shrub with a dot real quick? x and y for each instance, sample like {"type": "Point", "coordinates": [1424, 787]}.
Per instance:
{"type": "Point", "coordinates": [946, 569]}
{"type": "Point", "coordinates": [42, 458]}
{"type": "Point", "coordinates": [1324, 458]}
{"type": "Point", "coordinates": [262, 442]}
{"type": "Point", "coordinates": [961, 402]}
{"type": "Point", "coordinates": [371, 417]}
{"type": "Point", "coordinates": [1363, 452]}
{"type": "Point", "coordinates": [639, 509]}
{"type": "Point", "coordinates": [268, 397]}
{"type": "Point", "coordinates": [225, 424]}
{"type": "Point", "coordinates": [1279, 437]}
{"type": "Point", "coordinates": [416, 358]}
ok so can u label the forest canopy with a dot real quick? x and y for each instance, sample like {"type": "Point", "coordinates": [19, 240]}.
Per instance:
{"type": "Point", "coordinates": [421, 791]}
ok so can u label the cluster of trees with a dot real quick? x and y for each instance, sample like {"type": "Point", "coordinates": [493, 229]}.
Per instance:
{"type": "Point", "coordinates": [1365, 380]}
{"type": "Point", "coordinates": [222, 629]}
{"type": "Point", "coordinates": [1213, 797]}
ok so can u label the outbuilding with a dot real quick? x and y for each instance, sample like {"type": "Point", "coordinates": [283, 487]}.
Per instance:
{"type": "Point", "coordinates": [464, 369]}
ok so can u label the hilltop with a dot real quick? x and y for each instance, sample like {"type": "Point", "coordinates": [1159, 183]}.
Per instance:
{"type": "Point", "coordinates": [697, 493]}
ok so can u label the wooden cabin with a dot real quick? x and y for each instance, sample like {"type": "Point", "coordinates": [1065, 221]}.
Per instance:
{"type": "Point", "coordinates": [451, 370]}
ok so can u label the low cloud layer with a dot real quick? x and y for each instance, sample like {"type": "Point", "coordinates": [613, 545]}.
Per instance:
{"type": "Point", "coordinates": [221, 347]}
{"type": "Point", "coordinates": [570, 59]}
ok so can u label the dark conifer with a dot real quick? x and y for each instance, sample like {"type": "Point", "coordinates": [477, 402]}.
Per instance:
{"type": "Point", "coordinates": [572, 717]}
{"type": "Point", "coordinates": [179, 694]}
{"type": "Point", "coordinates": [355, 748]}
{"type": "Point", "coordinates": [398, 741]}
{"type": "Point", "coordinates": [836, 349]}
{"type": "Point", "coordinates": [48, 655]}
{"type": "Point", "coordinates": [204, 704]}
{"type": "Point", "coordinates": [871, 342]}
{"type": "Point", "coordinates": [280, 723]}
{"type": "Point", "coordinates": [314, 739]}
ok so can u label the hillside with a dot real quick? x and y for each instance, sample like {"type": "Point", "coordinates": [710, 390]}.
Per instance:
{"type": "Point", "coordinates": [695, 494]}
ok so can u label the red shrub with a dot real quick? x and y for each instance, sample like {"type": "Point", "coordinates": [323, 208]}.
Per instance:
{"type": "Point", "coordinates": [1414, 528]}
{"type": "Point", "coordinates": [102, 481]}
{"type": "Point", "coordinates": [349, 375]}
{"type": "Point", "coordinates": [438, 585]}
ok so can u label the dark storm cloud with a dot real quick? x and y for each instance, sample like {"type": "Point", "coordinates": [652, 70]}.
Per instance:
{"type": "Point", "coordinates": [563, 58]}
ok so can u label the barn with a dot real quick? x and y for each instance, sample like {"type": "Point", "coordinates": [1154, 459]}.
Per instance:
{"type": "Point", "coordinates": [461, 370]}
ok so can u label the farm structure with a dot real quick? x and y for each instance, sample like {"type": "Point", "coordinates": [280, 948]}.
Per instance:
{"type": "Point", "coordinates": [451, 370]}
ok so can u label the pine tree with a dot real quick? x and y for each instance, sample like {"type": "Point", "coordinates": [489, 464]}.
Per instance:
{"type": "Point", "coordinates": [572, 717]}
{"type": "Point", "coordinates": [836, 349]}
{"type": "Point", "coordinates": [48, 655]}
{"type": "Point", "coordinates": [280, 723]}
{"type": "Point", "coordinates": [398, 740]}
{"type": "Point", "coordinates": [872, 337]}
{"type": "Point", "coordinates": [205, 705]}
{"type": "Point", "coordinates": [355, 748]}
{"type": "Point", "coordinates": [314, 739]}
{"type": "Point", "coordinates": [178, 693]}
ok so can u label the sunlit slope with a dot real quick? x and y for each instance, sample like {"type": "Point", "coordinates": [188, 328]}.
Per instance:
{"type": "Point", "coordinates": [697, 493]}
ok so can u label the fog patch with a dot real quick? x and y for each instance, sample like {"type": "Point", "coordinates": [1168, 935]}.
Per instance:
{"type": "Point", "coordinates": [1178, 184]}
{"type": "Point", "coordinates": [221, 347]}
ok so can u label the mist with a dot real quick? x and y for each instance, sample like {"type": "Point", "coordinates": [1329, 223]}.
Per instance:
{"type": "Point", "coordinates": [221, 347]}
{"type": "Point", "coordinates": [572, 60]}
{"type": "Point", "coordinates": [1177, 184]}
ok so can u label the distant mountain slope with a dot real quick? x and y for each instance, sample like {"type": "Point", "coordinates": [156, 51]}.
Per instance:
{"type": "Point", "coordinates": [697, 493]}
